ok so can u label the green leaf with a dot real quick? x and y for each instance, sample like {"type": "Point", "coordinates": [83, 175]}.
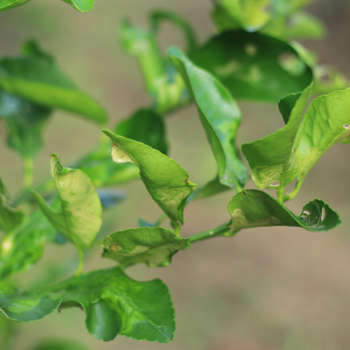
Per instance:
{"type": "Point", "coordinates": [26, 307]}
{"type": "Point", "coordinates": [153, 246]}
{"type": "Point", "coordinates": [164, 178]}
{"type": "Point", "coordinates": [145, 126]}
{"type": "Point", "coordinates": [209, 189]}
{"type": "Point", "coordinates": [116, 304]}
{"type": "Point", "coordinates": [39, 80]}
{"type": "Point", "coordinates": [25, 123]}
{"type": "Point", "coordinates": [60, 345]}
{"type": "Point", "coordinates": [254, 208]}
{"type": "Point", "coordinates": [290, 153]}
{"type": "Point", "coordinates": [220, 117]}
{"type": "Point", "coordinates": [9, 217]}
{"type": "Point", "coordinates": [161, 79]}
{"type": "Point", "coordinates": [23, 246]}
{"type": "Point", "coordinates": [80, 218]}
{"type": "Point", "coordinates": [254, 66]}
{"type": "Point", "coordinates": [250, 15]}
{"type": "Point", "coordinates": [10, 4]}
{"type": "Point", "coordinates": [81, 5]}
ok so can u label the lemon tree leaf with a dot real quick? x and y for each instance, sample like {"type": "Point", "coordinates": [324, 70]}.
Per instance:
{"type": "Point", "coordinates": [10, 4]}
{"type": "Point", "coordinates": [81, 5]}
{"type": "Point", "coordinates": [153, 246]}
{"type": "Point", "coordinates": [116, 304]}
{"type": "Point", "coordinates": [254, 208]}
{"type": "Point", "coordinates": [254, 66]}
{"type": "Point", "coordinates": [220, 117]}
{"type": "Point", "coordinates": [166, 181]}
{"type": "Point", "coordinates": [79, 219]}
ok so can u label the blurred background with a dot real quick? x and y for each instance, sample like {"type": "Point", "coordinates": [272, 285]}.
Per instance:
{"type": "Point", "coordinates": [264, 289]}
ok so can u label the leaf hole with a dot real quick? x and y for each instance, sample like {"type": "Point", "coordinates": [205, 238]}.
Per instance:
{"type": "Point", "coordinates": [346, 126]}
{"type": "Point", "coordinates": [304, 215]}
{"type": "Point", "coordinates": [291, 63]}
{"type": "Point", "coordinates": [275, 184]}
{"type": "Point", "coordinates": [323, 214]}
{"type": "Point", "coordinates": [250, 49]}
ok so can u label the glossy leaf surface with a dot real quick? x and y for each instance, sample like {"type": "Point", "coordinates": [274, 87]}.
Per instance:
{"type": "Point", "coordinates": [153, 246]}
{"type": "Point", "coordinates": [81, 5]}
{"type": "Point", "coordinates": [10, 4]}
{"type": "Point", "coordinates": [80, 218]}
{"type": "Point", "coordinates": [10, 217]}
{"type": "Point", "coordinates": [116, 304]}
{"type": "Point", "coordinates": [166, 181]}
{"type": "Point", "coordinates": [24, 245]}
{"type": "Point", "coordinates": [254, 66]}
{"type": "Point", "coordinates": [38, 79]}
{"type": "Point", "coordinates": [254, 208]}
{"type": "Point", "coordinates": [220, 117]}
{"type": "Point", "coordinates": [26, 307]}
{"type": "Point", "coordinates": [325, 123]}
{"type": "Point", "coordinates": [24, 122]}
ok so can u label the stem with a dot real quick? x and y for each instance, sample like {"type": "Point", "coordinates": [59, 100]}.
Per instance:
{"type": "Point", "coordinates": [292, 194]}
{"type": "Point", "coordinates": [81, 263]}
{"type": "Point", "coordinates": [162, 217]}
{"type": "Point", "coordinates": [217, 231]}
{"type": "Point", "coordinates": [28, 173]}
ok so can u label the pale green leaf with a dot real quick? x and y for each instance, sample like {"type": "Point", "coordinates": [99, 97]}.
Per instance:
{"type": "Point", "coordinates": [153, 246]}
{"type": "Point", "coordinates": [81, 5]}
{"type": "Point", "coordinates": [166, 181]}
{"type": "Point", "coordinates": [80, 218]}
{"type": "Point", "coordinates": [10, 4]}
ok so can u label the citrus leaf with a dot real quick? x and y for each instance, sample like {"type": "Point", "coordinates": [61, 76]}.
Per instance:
{"type": "Point", "coordinates": [26, 307]}
{"type": "Point", "coordinates": [24, 122]}
{"type": "Point", "coordinates": [10, 4]}
{"type": "Point", "coordinates": [80, 218]}
{"type": "Point", "coordinates": [39, 80]}
{"type": "Point", "coordinates": [116, 304]}
{"type": "Point", "coordinates": [166, 181]}
{"type": "Point", "coordinates": [296, 148]}
{"type": "Point", "coordinates": [162, 81]}
{"type": "Point", "coordinates": [24, 245]}
{"type": "Point", "coordinates": [254, 208]}
{"type": "Point", "coordinates": [153, 246]}
{"type": "Point", "coordinates": [9, 217]}
{"type": "Point", "coordinates": [60, 345]}
{"type": "Point", "coordinates": [144, 126]}
{"type": "Point", "coordinates": [254, 66]}
{"type": "Point", "coordinates": [81, 5]}
{"type": "Point", "coordinates": [220, 117]}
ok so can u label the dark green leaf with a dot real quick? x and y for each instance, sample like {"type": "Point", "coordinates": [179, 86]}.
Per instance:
{"type": "Point", "coordinates": [161, 79]}
{"type": "Point", "coordinates": [10, 4]}
{"type": "Point", "coordinates": [9, 217]}
{"type": "Point", "coordinates": [290, 153]}
{"type": "Point", "coordinates": [153, 246]}
{"type": "Point", "coordinates": [26, 307]}
{"type": "Point", "coordinates": [116, 304]}
{"type": "Point", "coordinates": [220, 117]}
{"type": "Point", "coordinates": [25, 123]}
{"type": "Point", "coordinates": [60, 345]}
{"type": "Point", "coordinates": [164, 178]}
{"type": "Point", "coordinates": [145, 126]}
{"type": "Point", "coordinates": [254, 208]}
{"type": "Point", "coordinates": [81, 5]}
{"type": "Point", "coordinates": [36, 78]}
{"type": "Point", "coordinates": [254, 66]}
{"type": "Point", "coordinates": [24, 246]}
{"type": "Point", "coordinates": [80, 218]}
{"type": "Point", "coordinates": [209, 189]}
